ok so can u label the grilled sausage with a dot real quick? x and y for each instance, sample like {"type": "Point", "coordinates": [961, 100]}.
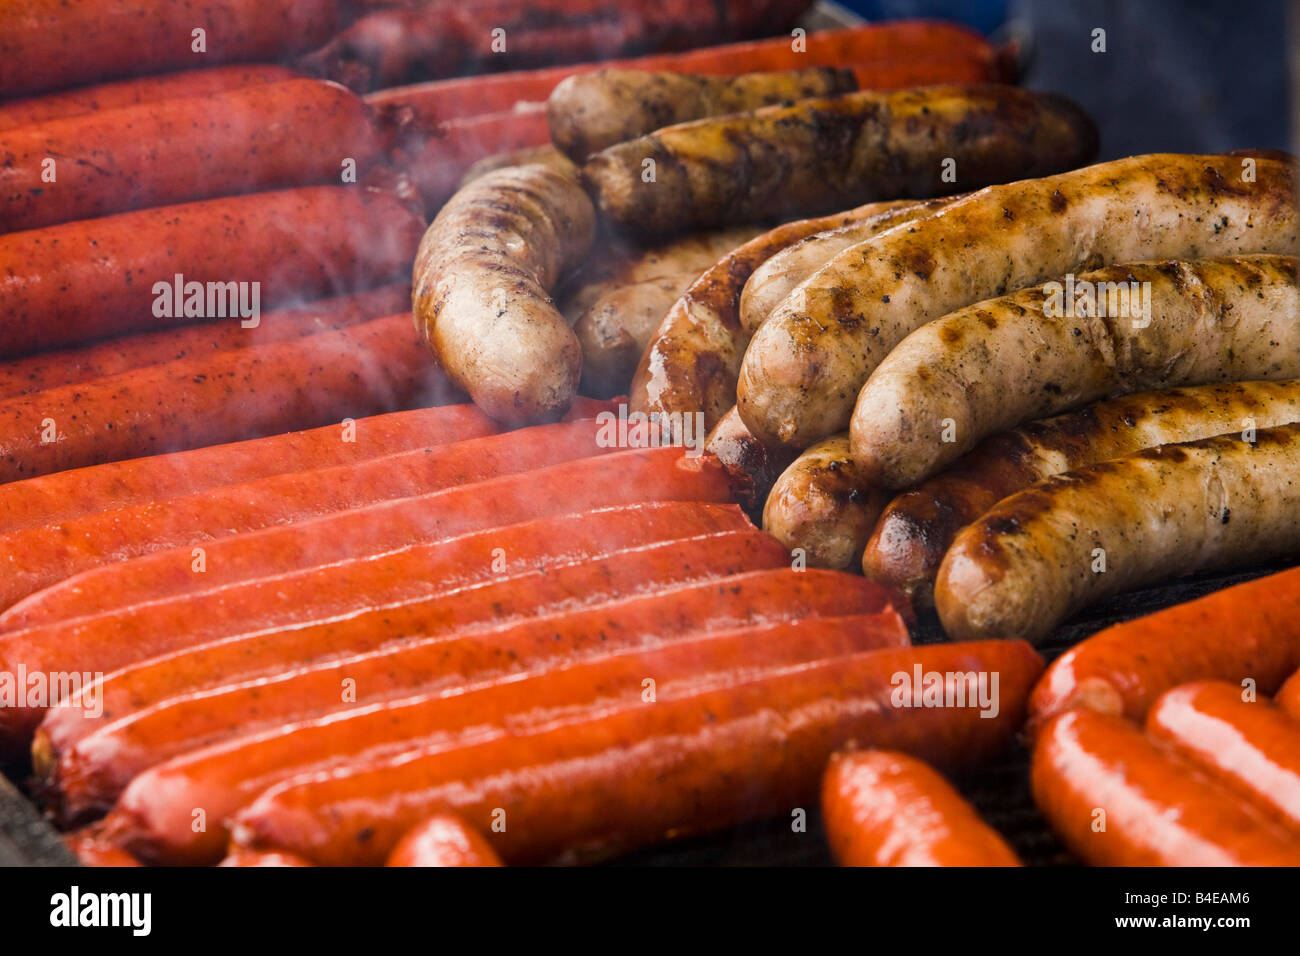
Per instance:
{"type": "Point", "coordinates": [918, 526]}
{"type": "Point", "coordinates": [1006, 361]}
{"type": "Point", "coordinates": [158, 655]}
{"type": "Point", "coordinates": [296, 244]}
{"type": "Point", "coordinates": [591, 111]}
{"type": "Point", "coordinates": [36, 558]}
{"type": "Point", "coordinates": [443, 840]}
{"type": "Point", "coordinates": [691, 363]}
{"type": "Point", "coordinates": [823, 505]}
{"type": "Point", "coordinates": [149, 89]}
{"type": "Point", "coordinates": [1288, 696]}
{"type": "Point", "coordinates": [805, 366]}
{"type": "Point", "coordinates": [546, 155]}
{"type": "Point", "coordinates": [240, 857]}
{"type": "Point", "coordinates": [1116, 798]}
{"type": "Point", "coordinates": [87, 761]}
{"type": "Point", "coordinates": [1250, 747]}
{"type": "Point", "coordinates": [266, 136]}
{"type": "Point", "coordinates": [888, 809]}
{"type": "Point", "coordinates": [777, 277]}
{"type": "Point", "coordinates": [52, 44]}
{"type": "Point", "coordinates": [1245, 632]}
{"type": "Point", "coordinates": [482, 280]}
{"type": "Point", "coordinates": [834, 152]}
{"type": "Point", "coordinates": [752, 467]}
{"type": "Point", "coordinates": [225, 776]}
{"type": "Point", "coordinates": [625, 777]}
{"type": "Point", "coordinates": [1072, 540]}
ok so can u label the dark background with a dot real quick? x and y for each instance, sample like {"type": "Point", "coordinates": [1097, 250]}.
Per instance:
{"type": "Point", "coordinates": [1177, 75]}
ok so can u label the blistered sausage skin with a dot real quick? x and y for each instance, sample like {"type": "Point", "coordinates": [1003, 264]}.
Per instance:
{"type": "Point", "coordinates": [483, 276]}
{"type": "Point", "coordinates": [590, 111]}
{"type": "Point", "coordinates": [882, 808]}
{"type": "Point", "coordinates": [1117, 798]}
{"type": "Point", "coordinates": [806, 365]}
{"type": "Point", "coordinates": [1074, 539]}
{"type": "Point", "coordinates": [917, 527]}
{"type": "Point", "coordinates": [777, 277]}
{"type": "Point", "coordinates": [1005, 361]}
{"type": "Point", "coordinates": [822, 504]}
{"type": "Point", "coordinates": [834, 152]}
{"type": "Point", "coordinates": [692, 361]}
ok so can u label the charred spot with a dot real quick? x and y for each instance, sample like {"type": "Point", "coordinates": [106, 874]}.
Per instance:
{"type": "Point", "coordinates": [987, 320]}
{"type": "Point", "coordinates": [1226, 516]}
{"type": "Point", "coordinates": [920, 263]}
{"type": "Point", "coordinates": [950, 334]}
{"type": "Point", "coordinates": [1058, 203]}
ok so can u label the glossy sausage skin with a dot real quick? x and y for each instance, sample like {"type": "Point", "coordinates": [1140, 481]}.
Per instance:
{"type": "Point", "coordinates": [149, 654]}
{"type": "Point", "coordinates": [1250, 746]}
{"type": "Point", "coordinates": [1288, 696]}
{"type": "Point", "coordinates": [228, 774]}
{"type": "Point", "coordinates": [834, 152]}
{"type": "Point", "coordinates": [806, 365]}
{"type": "Point", "coordinates": [443, 840]}
{"type": "Point", "coordinates": [1006, 361]}
{"type": "Point", "coordinates": [823, 505]}
{"type": "Point", "coordinates": [625, 777]}
{"type": "Point", "coordinates": [917, 527]}
{"type": "Point", "coordinates": [267, 136]}
{"type": "Point", "coordinates": [691, 363]}
{"type": "Point", "coordinates": [752, 466]}
{"type": "Point", "coordinates": [882, 808]}
{"type": "Point", "coordinates": [1033, 559]}
{"type": "Point", "coordinates": [483, 276]}
{"type": "Point", "coordinates": [1158, 809]}
{"type": "Point", "coordinates": [375, 366]}
{"type": "Point", "coordinates": [298, 244]}
{"type": "Point", "coordinates": [40, 563]}
{"type": "Point", "coordinates": [239, 857]}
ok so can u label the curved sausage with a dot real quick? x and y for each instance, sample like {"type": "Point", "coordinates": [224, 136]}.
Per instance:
{"type": "Point", "coordinates": [625, 777]}
{"type": "Point", "coordinates": [823, 505]}
{"type": "Point", "coordinates": [297, 244]}
{"type": "Point", "coordinates": [1116, 798]}
{"type": "Point", "coordinates": [242, 857]}
{"type": "Point", "coordinates": [482, 280]}
{"type": "Point", "coordinates": [806, 365]}
{"type": "Point", "coordinates": [1288, 696]}
{"type": "Point", "coordinates": [834, 152]}
{"type": "Point", "coordinates": [1072, 540]}
{"type": "Point", "coordinates": [1250, 747]}
{"type": "Point", "coordinates": [1006, 361]}
{"type": "Point", "coordinates": [752, 466]}
{"type": "Point", "coordinates": [691, 363]}
{"type": "Point", "coordinates": [591, 111]}
{"type": "Point", "coordinates": [443, 840]}
{"type": "Point", "coordinates": [882, 808]}
{"type": "Point", "coordinates": [268, 136]}
{"type": "Point", "coordinates": [917, 527]}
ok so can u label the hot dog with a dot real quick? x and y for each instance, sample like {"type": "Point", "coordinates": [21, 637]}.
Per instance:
{"type": "Point", "coordinates": [805, 366]}
{"type": "Point", "coordinates": [776, 278]}
{"type": "Point", "coordinates": [691, 363]}
{"type": "Point", "coordinates": [88, 762]}
{"type": "Point", "coordinates": [1124, 668]}
{"type": "Point", "coordinates": [37, 558]}
{"type": "Point", "coordinates": [567, 488]}
{"type": "Point", "coordinates": [823, 505]}
{"type": "Point", "coordinates": [626, 777]}
{"type": "Point", "coordinates": [917, 527]}
{"type": "Point", "coordinates": [149, 89]}
{"type": "Point", "coordinates": [1069, 541]}
{"type": "Point", "coordinates": [1116, 798]}
{"type": "Point", "coordinates": [1250, 747]}
{"type": "Point", "coordinates": [92, 850]}
{"type": "Point", "coordinates": [298, 244]}
{"type": "Point", "coordinates": [238, 857]}
{"type": "Point", "coordinates": [1006, 361]}
{"type": "Point", "coordinates": [45, 371]}
{"type": "Point", "coordinates": [372, 367]}
{"type": "Point", "coordinates": [227, 775]}
{"type": "Point", "coordinates": [443, 840]}
{"type": "Point", "coordinates": [299, 132]}
{"type": "Point", "coordinates": [823, 154]}
{"type": "Point", "coordinates": [66, 495]}
{"type": "Point", "coordinates": [483, 304]}
{"type": "Point", "coordinates": [591, 111]}
{"type": "Point", "coordinates": [50, 44]}
{"type": "Point", "coordinates": [155, 658]}
{"type": "Point", "coordinates": [888, 809]}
